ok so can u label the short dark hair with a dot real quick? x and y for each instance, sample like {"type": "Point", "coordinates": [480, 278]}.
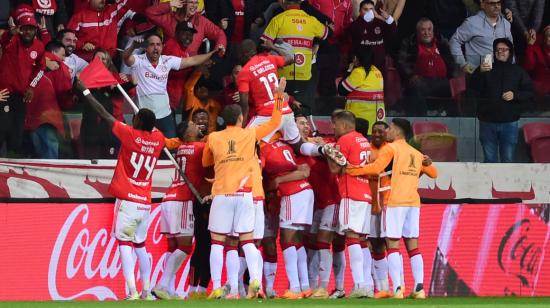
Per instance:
{"type": "Point", "coordinates": [147, 119]}
{"type": "Point", "coordinates": [54, 46]}
{"type": "Point", "coordinates": [344, 115]}
{"type": "Point", "coordinates": [148, 36]}
{"type": "Point", "coordinates": [362, 126]}
{"type": "Point", "coordinates": [365, 2]}
{"type": "Point", "coordinates": [380, 123]}
{"type": "Point", "coordinates": [62, 33]}
{"type": "Point", "coordinates": [231, 113]}
{"type": "Point", "coordinates": [200, 110]}
{"type": "Point", "coordinates": [335, 112]}
{"type": "Point", "coordinates": [405, 127]}
{"type": "Point", "coordinates": [182, 128]}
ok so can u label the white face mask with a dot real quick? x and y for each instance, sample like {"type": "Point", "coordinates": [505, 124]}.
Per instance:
{"type": "Point", "coordinates": [369, 16]}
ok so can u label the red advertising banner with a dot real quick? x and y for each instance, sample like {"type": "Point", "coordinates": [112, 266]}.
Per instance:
{"type": "Point", "coordinates": [65, 251]}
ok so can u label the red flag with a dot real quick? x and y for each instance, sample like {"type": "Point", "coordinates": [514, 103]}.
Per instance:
{"type": "Point", "coordinates": [96, 75]}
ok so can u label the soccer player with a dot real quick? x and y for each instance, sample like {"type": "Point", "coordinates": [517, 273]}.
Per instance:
{"type": "Point", "coordinates": [296, 212]}
{"type": "Point", "coordinates": [354, 210]}
{"type": "Point", "coordinates": [402, 216]}
{"type": "Point", "coordinates": [131, 185]}
{"type": "Point", "coordinates": [177, 219]}
{"type": "Point", "coordinates": [380, 185]}
{"type": "Point", "coordinates": [232, 153]}
{"type": "Point", "coordinates": [256, 82]}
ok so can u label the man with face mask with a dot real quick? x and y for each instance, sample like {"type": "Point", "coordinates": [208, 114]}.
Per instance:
{"type": "Point", "coordinates": [22, 66]}
{"type": "Point", "coordinates": [503, 89]}
{"type": "Point", "coordinates": [372, 28]}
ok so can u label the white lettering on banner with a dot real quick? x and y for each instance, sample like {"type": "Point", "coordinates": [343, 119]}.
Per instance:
{"type": "Point", "coordinates": [82, 257]}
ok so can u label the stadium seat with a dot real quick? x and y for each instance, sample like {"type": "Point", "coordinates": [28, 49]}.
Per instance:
{"type": "Point", "coordinates": [392, 84]}
{"type": "Point", "coordinates": [540, 150]}
{"type": "Point", "coordinates": [533, 131]}
{"type": "Point", "coordinates": [440, 146]}
{"type": "Point", "coordinates": [458, 87]}
{"type": "Point", "coordinates": [423, 127]}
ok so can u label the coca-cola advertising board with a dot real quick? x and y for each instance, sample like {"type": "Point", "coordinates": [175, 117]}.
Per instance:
{"type": "Point", "coordinates": [66, 251]}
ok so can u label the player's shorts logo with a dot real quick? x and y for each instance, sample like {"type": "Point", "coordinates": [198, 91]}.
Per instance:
{"type": "Point", "coordinates": [299, 59]}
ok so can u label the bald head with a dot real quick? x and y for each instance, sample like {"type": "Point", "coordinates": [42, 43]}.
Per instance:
{"type": "Point", "coordinates": [247, 50]}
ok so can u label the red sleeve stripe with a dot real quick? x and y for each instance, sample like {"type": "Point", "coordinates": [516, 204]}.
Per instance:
{"type": "Point", "coordinates": [107, 21]}
{"type": "Point", "coordinates": [325, 34]}
{"type": "Point", "coordinates": [347, 85]}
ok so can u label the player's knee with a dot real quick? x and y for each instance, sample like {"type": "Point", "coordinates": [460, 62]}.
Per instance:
{"type": "Point", "coordinates": [413, 252]}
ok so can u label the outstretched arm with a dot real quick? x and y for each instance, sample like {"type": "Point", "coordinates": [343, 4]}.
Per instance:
{"type": "Point", "coordinates": [196, 60]}
{"type": "Point", "coordinates": [90, 99]}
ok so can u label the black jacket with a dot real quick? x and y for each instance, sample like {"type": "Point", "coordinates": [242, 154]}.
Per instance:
{"type": "Point", "coordinates": [219, 9]}
{"type": "Point", "coordinates": [489, 87]}
{"type": "Point", "coordinates": [408, 52]}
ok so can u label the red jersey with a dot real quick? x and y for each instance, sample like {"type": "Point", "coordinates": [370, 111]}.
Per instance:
{"type": "Point", "coordinates": [259, 78]}
{"type": "Point", "coordinates": [323, 182]}
{"type": "Point", "coordinates": [356, 149]}
{"type": "Point", "coordinates": [279, 159]}
{"type": "Point", "coordinates": [189, 157]}
{"type": "Point", "coordinates": [136, 161]}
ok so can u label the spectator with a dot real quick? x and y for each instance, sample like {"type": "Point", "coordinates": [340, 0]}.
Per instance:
{"type": "Point", "coordinates": [22, 66]}
{"type": "Point", "coordinates": [163, 16]}
{"type": "Point", "coordinates": [297, 28]}
{"type": "Point", "coordinates": [527, 20]}
{"type": "Point", "coordinates": [426, 65]}
{"type": "Point", "coordinates": [53, 11]}
{"type": "Point", "coordinates": [477, 34]}
{"type": "Point", "coordinates": [372, 28]}
{"type": "Point", "coordinates": [230, 91]}
{"type": "Point", "coordinates": [537, 62]}
{"type": "Point", "coordinates": [503, 89]}
{"type": "Point", "coordinates": [364, 87]}
{"type": "Point", "coordinates": [75, 63]}
{"type": "Point", "coordinates": [44, 119]}
{"type": "Point", "coordinates": [178, 46]}
{"type": "Point", "coordinates": [97, 26]}
{"type": "Point", "coordinates": [98, 141]}
{"type": "Point", "coordinates": [151, 71]}
{"type": "Point", "coordinates": [201, 118]}
{"type": "Point", "coordinates": [198, 96]}
{"type": "Point", "coordinates": [235, 17]}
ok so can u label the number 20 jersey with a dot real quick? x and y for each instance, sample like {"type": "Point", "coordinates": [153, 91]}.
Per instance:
{"type": "Point", "coordinates": [137, 159]}
{"type": "Point", "coordinates": [189, 157]}
{"type": "Point", "coordinates": [259, 78]}
{"type": "Point", "coordinates": [356, 148]}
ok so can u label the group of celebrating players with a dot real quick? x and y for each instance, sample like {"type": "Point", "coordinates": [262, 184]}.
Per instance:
{"type": "Point", "coordinates": [272, 179]}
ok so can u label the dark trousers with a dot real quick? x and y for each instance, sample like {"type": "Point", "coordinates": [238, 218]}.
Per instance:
{"type": "Point", "coordinates": [416, 93]}
{"type": "Point", "coordinates": [12, 120]}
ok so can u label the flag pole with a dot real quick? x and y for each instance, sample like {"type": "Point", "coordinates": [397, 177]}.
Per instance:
{"type": "Point", "coordinates": [166, 151]}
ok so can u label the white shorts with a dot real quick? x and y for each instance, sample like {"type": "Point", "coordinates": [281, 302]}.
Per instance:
{"type": "Point", "coordinates": [288, 127]}
{"type": "Point", "coordinates": [325, 219]}
{"type": "Point", "coordinates": [271, 224]}
{"type": "Point", "coordinates": [402, 221]}
{"type": "Point", "coordinates": [376, 226]}
{"type": "Point", "coordinates": [232, 213]}
{"type": "Point", "coordinates": [354, 216]}
{"type": "Point", "coordinates": [131, 221]}
{"type": "Point", "coordinates": [259, 219]}
{"type": "Point", "coordinates": [296, 210]}
{"type": "Point", "coordinates": [177, 218]}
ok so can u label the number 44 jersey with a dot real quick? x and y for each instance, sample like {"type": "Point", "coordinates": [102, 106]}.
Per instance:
{"type": "Point", "coordinates": [137, 159]}
{"type": "Point", "coordinates": [259, 79]}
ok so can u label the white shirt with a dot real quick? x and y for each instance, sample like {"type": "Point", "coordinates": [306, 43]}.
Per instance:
{"type": "Point", "coordinates": [151, 82]}
{"type": "Point", "coordinates": [76, 64]}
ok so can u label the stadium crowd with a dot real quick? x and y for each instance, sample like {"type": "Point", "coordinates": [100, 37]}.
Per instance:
{"type": "Point", "coordinates": [202, 71]}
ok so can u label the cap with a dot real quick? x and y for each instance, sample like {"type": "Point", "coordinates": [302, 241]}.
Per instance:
{"type": "Point", "coordinates": [24, 16]}
{"type": "Point", "coordinates": [185, 26]}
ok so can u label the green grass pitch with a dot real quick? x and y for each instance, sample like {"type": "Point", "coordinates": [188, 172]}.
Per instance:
{"type": "Point", "coordinates": [485, 302]}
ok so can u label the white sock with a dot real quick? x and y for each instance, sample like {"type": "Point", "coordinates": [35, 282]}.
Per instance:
{"type": "Point", "coordinates": [201, 289]}
{"type": "Point", "coordinates": [128, 264]}
{"type": "Point", "coordinates": [242, 269]}
{"type": "Point", "coordinates": [381, 274]}
{"type": "Point", "coordinates": [260, 269]}
{"type": "Point", "coordinates": [309, 149]}
{"type": "Point", "coordinates": [269, 273]}
{"type": "Point", "coordinates": [417, 266]}
{"type": "Point", "coordinates": [171, 267]}
{"type": "Point", "coordinates": [302, 268]}
{"type": "Point", "coordinates": [402, 270]}
{"type": "Point", "coordinates": [251, 254]}
{"type": "Point", "coordinates": [313, 267]}
{"type": "Point", "coordinates": [216, 264]}
{"type": "Point", "coordinates": [291, 267]}
{"type": "Point", "coordinates": [356, 265]}
{"type": "Point", "coordinates": [367, 269]}
{"type": "Point", "coordinates": [325, 266]}
{"type": "Point", "coordinates": [232, 269]}
{"type": "Point", "coordinates": [339, 265]}
{"type": "Point", "coordinates": [172, 285]}
{"type": "Point", "coordinates": [165, 268]}
{"type": "Point", "coordinates": [395, 266]}
{"type": "Point", "coordinates": [144, 267]}
{"type": "Point", "coordinates": [192, 289]}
